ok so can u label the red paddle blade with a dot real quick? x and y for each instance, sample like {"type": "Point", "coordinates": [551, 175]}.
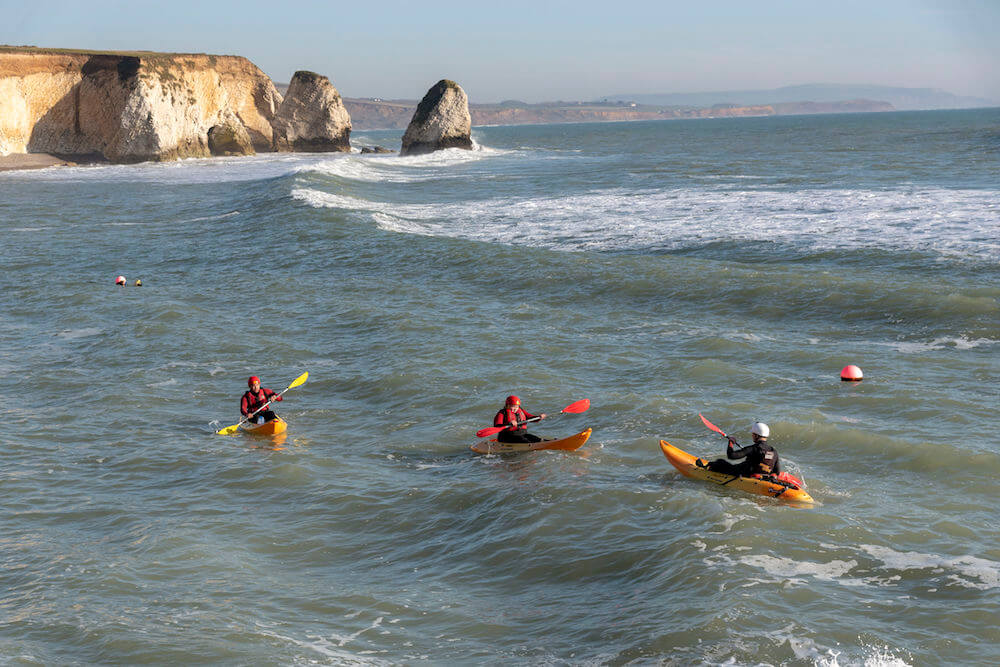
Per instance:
{"type": "Point", "coordinates": [712, 426]}
{"type": "Point", "coordinates": [485, 432]}
{"type": "Point", "coordinates": [580, 406]}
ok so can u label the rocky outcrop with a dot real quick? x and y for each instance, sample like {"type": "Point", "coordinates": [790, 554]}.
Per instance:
{"type": "Point", "coordinates": [229, 138]}
{"type": "Point", "coordinates": [312, 117]}
{"type": "Point", "coordinates": [441, 120]}
{"type": "Point", "coordinates": [132, 107]}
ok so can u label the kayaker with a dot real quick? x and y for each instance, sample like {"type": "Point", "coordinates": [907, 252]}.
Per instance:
{"type": "Point", "coordinates": [761, 458]}
{"type": "Point", "coordinates": [255, 398]}
{"type": "Point", "coordinates": [513, 417]}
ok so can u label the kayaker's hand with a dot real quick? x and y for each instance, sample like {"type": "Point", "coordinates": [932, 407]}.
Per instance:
{"type": "Point", "coordinates": [513, 423]}
{"type": "Point", "coordinates": [542, 416]}
{"type": "Point", "coordinates": [278, 398]}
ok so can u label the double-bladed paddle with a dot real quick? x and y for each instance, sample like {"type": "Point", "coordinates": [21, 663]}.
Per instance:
{"type": "Point", "coordinates": [715, 428]}
{"type": "Point", "coordinates": [573, 408]}
{"type": "Point", "coordinates": [229, 430]}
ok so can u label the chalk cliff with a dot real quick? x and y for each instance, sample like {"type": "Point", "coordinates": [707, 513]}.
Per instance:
{"type": "Point", "coordinates": [312, 117]}
{"type": "Point", "coordinates": [441, 120]}
{"type": "Point", "coordinates": [132, 107]}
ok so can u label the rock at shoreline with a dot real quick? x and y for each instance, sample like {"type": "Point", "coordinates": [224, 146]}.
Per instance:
{"type": "Point", "coordinates": [375, 149]}
{"type": "Point", "coordinates": [441, 120]}
{"type": "Point", "coordinates": [312, 117]}
{"type": "Point", "coordinates": [229, 138]}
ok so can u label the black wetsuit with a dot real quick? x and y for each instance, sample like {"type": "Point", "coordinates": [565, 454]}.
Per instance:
{"type": "Point", "coordinates": [759, 457]}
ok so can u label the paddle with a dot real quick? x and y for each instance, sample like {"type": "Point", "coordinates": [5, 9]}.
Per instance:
{"type": "Point", "coordinates": [573, 408]}
{"type": "Point", "coordinates": [715, 428]}
{"type": "Point", "coordinates": [229, 430]}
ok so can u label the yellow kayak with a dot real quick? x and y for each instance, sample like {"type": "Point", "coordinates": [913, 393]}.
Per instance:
{"type": "Point", "coordinates": [569, 444]}
{"type": "Point", "coordinates": [685, 464]}
{"type": "Point", "coordinates": [273, 427]}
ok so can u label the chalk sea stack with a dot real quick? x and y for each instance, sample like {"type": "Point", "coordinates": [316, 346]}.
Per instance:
{"type": "Point", "coordinates": [131, 107]}
{"type": "Point", "coordinates": [441, 120]}
{"type": "Point", "coordinates": [312, 117]}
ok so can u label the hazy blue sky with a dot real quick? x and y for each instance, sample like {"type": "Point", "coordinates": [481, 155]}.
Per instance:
{"type": "Point", "coordinates": [538, 51]}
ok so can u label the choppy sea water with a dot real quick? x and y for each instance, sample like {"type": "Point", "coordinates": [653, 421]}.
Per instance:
{"type": "Point", "coordinates": [730, 267]}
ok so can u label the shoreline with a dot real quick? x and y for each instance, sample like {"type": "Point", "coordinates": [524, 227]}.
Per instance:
{"type": "Point", "coordinates": [24, 161]}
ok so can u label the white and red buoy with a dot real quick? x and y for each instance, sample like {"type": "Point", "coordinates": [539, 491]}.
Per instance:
{"type": "Point", "coordinates": [851, 373]}
{"type": "Point", "coordinates": [120, 280]}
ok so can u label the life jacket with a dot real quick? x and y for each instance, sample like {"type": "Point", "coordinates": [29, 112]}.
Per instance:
{"type": "Point", "coordinates": [768, 460]}
{"type": "Point", "coordinates": [508, 416]}
{"type": "Point", "coordinates": [252, 402]}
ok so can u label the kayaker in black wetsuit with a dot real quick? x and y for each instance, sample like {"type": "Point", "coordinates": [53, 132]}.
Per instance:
{"type": "Point", "coordinates": [513, 417]}
{"type": "Point", "coordinates": [761, 458]}
{"type": "Point", "coordinates": [255, 398]}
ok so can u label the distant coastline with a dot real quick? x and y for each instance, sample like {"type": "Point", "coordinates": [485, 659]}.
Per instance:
{"type": "Point", "coordinates": [378, 114]}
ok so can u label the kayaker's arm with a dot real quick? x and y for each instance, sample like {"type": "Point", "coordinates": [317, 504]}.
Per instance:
{"type": "Point", "coordinates": [740, 453]}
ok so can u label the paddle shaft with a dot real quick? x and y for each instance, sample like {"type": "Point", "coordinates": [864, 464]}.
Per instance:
{"type": "Point", "coordinates": [573, 408]}
{"type": "Point", "coordinates": [718, 430]}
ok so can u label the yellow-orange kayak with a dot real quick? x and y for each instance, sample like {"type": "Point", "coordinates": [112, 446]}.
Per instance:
{"type": "Point", "coordinates": [685, 464]}
{"type": "Point", "coordinates": [569, 444]}
{"type": "Point", "coordinates": [273, 427]}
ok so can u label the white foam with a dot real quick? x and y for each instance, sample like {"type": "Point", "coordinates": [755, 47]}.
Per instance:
{"type": "Point", "coordinates": [789, 568]}
{"type": "Point", "coordinates": [625, 219]}
{"type": "Point", "coordinates": [958, 343]}
{"type": "Point", "coordinates": [965, 571]}
{"type": "Point", "coordinates": [72, 334]}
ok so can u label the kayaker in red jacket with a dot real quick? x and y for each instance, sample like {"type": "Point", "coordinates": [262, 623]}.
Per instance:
{"type": "Point", "coordinates": [761, 458]}
{"type": "Point", "coordinates": [513, 417]}
{"type": "Point", "coordinates": [255, 398]}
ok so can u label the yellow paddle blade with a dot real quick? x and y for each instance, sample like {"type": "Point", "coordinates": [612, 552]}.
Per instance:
{"type": "Point", "coordinates": [229, 430]}
{"type": "Point", "coordinates": [299, 380]}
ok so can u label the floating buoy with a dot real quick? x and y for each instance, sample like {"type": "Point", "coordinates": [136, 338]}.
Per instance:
{"type": "Point", "coordinates": [851, 373]}
{"type": "Point", "coordinates": [120, 280]}
{"type": "Point", "coordinates": [138, 282]}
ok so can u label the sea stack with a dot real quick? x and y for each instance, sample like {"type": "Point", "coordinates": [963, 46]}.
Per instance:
{"type": "Point", "coordinates": [441, 120]}
{"type": "Point", "coordinates": [312, 117]}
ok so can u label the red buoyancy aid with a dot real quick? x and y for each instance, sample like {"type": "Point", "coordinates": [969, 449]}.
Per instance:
{"type": "Point", "coordinates": [507, 416]}
{"type": "Point", "coordinates": [252, 402]}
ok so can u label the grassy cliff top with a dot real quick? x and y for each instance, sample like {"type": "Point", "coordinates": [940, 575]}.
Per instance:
{"type": "Point", "coordinates": [40, 50]}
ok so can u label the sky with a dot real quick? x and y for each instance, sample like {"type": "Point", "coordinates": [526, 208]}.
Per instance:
{"type": "Point", "coordinates": [551, 50]}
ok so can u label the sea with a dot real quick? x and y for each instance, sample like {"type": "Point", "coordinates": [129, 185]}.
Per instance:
{"type": "Point", "coordinates": [727, 267]}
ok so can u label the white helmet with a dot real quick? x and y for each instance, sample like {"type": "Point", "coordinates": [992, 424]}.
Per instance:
{"type": "Point", "coordinates": [761, 429]}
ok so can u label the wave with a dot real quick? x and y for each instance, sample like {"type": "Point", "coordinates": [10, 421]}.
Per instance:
{"type": "Point", "coordinates": [942, 223]}
{"type": "Point", "coordinates": [390, 168]}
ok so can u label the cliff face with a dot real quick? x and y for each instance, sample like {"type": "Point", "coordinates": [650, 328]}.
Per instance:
{"type": "Point", "coordinates": [129, 107]}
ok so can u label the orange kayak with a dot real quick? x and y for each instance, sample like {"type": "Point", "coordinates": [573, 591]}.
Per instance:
{"type": "Point", "coordinates": [685, 464]}
{"type": "Point", "coordinates": [273, 427]}
{"type": "Point", "coordinates": [569, 444]}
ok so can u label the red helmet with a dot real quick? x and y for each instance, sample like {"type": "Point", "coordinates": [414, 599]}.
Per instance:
{"type": "Point", "coordinates": [253, 378]}
{"type": "Point", "coordinates": [513, 400]}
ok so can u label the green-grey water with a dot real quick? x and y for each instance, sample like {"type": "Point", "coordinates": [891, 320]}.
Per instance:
{"type": "Point", "coordinates": [730, 267]}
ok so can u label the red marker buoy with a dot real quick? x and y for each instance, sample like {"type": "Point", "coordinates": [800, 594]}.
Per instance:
{"type": "Point", "coordinates": [851, 373]}
{"type": "Point", "coordinates": [120, 280]}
